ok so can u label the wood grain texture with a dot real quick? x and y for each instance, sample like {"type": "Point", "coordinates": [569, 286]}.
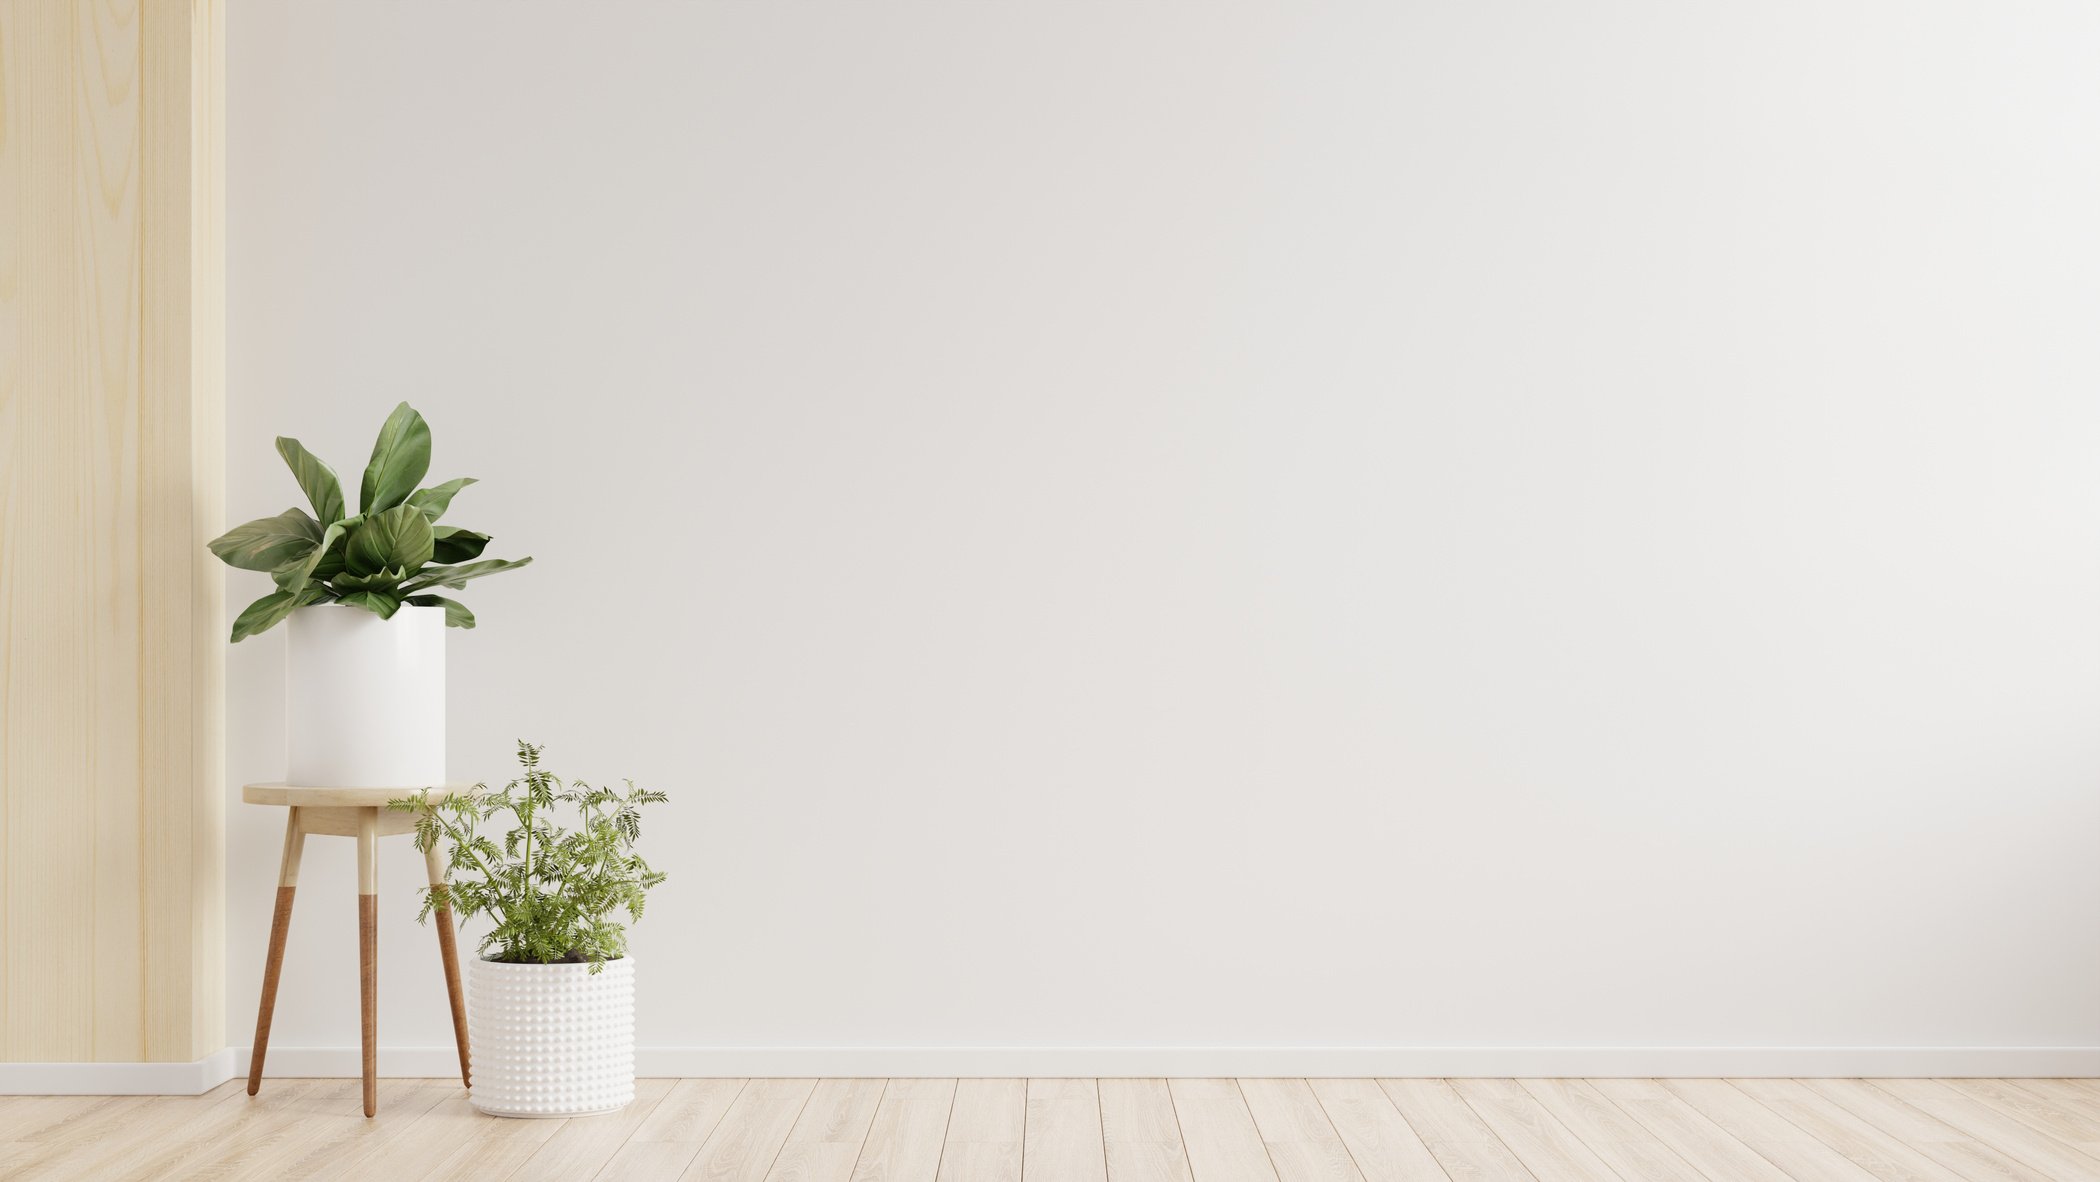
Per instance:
{"type": "Point", "coordinates": [331, 1126]}
{"type": "Point", "coordinates": [987, 1127]}
{"type": "Point", "coordinates": [345, 821]}
{"type": "Point", "coordinates": [1943, 1143]}
{"type": "Point", "coordinates": [689, 1114]}
{"type": "Point", "coordinates": [747, 1142]}
{"type": "Point", "coordinates": [1380, 1140]}
{"type": "Point", "coordinates": [2059, 1117]}
{"type": "Point", "coordinates": [111, 363]}
{"type": "Point", "coordinates": [1775, 1138]}
{"type": "Point", "coordinates": [1994, 1126]}
{"type": "Point", "coordinates": [1610, 1133]}
{"type": "Point", "coordinates": [817, 1130]}
{"type": "Point", "coordinates": [1063, 1131]}
{"type": "Point", "coordinates": [1860, 1142]}
{"type": "Point", "coordinates": [413, 1146]}
{"type": "Point", "coordinates": [1707, 1146]}
{"type": "Point", "coordinates": [273, 968]}
{"type": "Point", "coordinates": [1463, 1145]}
{"type": "Point", "coordinates": [583, 1145]}
{"type": "Point", "coordinates": [904, 1141]}
{"type": "Point", "coordinates": [825, 1142]}
{"type": "Point", "coordinates": [448, 953]}
{"type": "Point", "coordinates": [1535, 1135]}
{"type": "Point", "coordinates": [297, 796]}
{"type": "Point", "coordinates": [1141, 1132]}
{"type": "Point", "coordinates": [368, 994]}
{"type": "Point", "coordinates": [1303, 1144]}
{"type": "Point", "coordinates": [1218, 1132]}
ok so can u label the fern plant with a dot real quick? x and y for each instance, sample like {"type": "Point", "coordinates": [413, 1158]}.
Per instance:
{"type": "Point", "coordinates": [391, 552]}
{"type": "Point", "coordinates": [551, 892]}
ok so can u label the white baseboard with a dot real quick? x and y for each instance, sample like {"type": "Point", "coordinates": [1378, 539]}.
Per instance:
{"type": "Point", "coordinates": [1991, 1062]}
{"type": "Point", "coordinates": [189, 1079]}
{"type": "Point", "coordinates": [119, 1079]}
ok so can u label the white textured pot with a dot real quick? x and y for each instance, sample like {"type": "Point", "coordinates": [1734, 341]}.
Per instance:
{"type": "Point", "coordinates": [365, 698]}
{"type": "Point", "coordinates": [551, 1039]}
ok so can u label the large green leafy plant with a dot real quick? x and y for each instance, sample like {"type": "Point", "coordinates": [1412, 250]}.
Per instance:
{"type": "Point", "coordinates": [551, 891]}
{"type": "Point", "coordinates": [391, 552]}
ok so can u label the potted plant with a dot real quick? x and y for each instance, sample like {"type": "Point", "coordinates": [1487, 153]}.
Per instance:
{"type": "Point", "coordinates": [378, 670]}
{"type": "Point", "coordinates": [550, 997]}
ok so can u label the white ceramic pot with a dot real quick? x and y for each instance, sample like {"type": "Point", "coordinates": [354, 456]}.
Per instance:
{"type": "Point", "coordinates": [551, 1039]}
{"type": "Point", "coordinates": [365, 698]}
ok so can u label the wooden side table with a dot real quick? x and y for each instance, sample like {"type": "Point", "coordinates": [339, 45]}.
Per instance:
{"type": "Point", "coordinates": [360, 813]}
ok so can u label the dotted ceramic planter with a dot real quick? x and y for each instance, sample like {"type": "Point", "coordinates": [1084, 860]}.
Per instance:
{"type": "Point", "coordinates": [551, 1039]}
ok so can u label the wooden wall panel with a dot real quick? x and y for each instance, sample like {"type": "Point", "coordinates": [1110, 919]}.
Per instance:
{"type": "Point", "coordinates": [111, 362]}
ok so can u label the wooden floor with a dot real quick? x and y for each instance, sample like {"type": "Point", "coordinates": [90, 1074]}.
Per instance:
{"type": "Point", "coordinates": [1084, 1130]}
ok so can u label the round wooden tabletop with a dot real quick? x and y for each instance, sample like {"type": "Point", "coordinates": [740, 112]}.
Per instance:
{"type": "Point", "coordinates": [306, 796]}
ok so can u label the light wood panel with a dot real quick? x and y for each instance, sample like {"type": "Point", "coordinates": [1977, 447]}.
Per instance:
{"type": "Point", "coordinates": [1454, 1133]}
{"type": "Point", "coordinates": [1303, 1144]}
{"type": "Point", "coordinates": [1994, 1126]}
{"type": "Point", "coordinates": [671, 1137]}
{"type": "Point", "coordinates": [1082, 1130]}
{"type": "Point", "coordinates": [1934, 1138]}
{"type": "Point", "coordinates": [1775, 1138]}
{"type": "Point", "coordinates": [579, 1147]}
{"type": "Point", "coordinates": [825, 1142]}
{"type": "Point", "coordinates": [111, 372]}
{"type": "Point", "coordinates": [1535, 1135]}
{"type": "Point", "coordinates": [1707, 1146]}
{"type": "Point", "coordinates": [1218, 1131]}
{"type": "Point", "coordinates": [746, 1143]}
{"type": "Point", "coordinates": [1869, 1148]}
{"type": "Point", "coordinates": [1609, 1132]}
{"type": "Point", "coordinates": [911, 1125]}
{"type": "Point", "coordinates": [1141, 1132]}
{"type": "Point", "coordinates": [986, 1128]}
{"type": "Point", "coordinates": [1063, 1137]}
{"type": "Point", "coordinates": [1380, 1140]}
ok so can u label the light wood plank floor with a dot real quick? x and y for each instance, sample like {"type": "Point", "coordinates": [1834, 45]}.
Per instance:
{"type": "Point", "coordinates": [1084, 1130]}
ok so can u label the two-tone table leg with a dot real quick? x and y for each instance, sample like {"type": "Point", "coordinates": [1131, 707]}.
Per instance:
{"type": "Point", "coordinates": [359, 813]}
{"type": "Point", "coordinates": [368, 949]}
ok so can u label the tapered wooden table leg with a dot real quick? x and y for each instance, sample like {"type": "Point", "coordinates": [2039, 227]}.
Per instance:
{"type": "Point", "coordinates": [448, 950]}
{"type": "Point", "coordinates": [287, 883]}
{"type": "Point", "coordinates": [368, 948]}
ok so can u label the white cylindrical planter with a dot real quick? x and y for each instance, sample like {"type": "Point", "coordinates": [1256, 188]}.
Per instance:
{"type": "Point", "coordinates": [551, 1039]}
{"type": "Point", "coordinates": [365, 698]}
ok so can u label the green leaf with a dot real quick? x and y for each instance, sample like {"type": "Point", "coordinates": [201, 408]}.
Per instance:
{"type": "Point", "coordinates": [456, 613]}
{"type": "Point", "coordinates": [400, 457]}
{"type": "Point", "coordinates": [295, 574]}
{"type": "Point", "coordinates": [454, 544]}
{"type": "Point", "coordinates": [331, 563]}
{"type": "Point", "coordinates": [268, 542]}
{"type": "Point", "coordinates": [399, 537]}
{"type": "Point", "coordinates": [457, 576]}
{"type": "Point", "coordinates": [323, 491]}
{"type": "Point", "coordinates": [435, 500]}
{"type": "Point", "coordinates": [379, 603]}
{"type": "Point", "coordinates": [381, 580]}
{"type": "Point", "coordinates": [265, 613]}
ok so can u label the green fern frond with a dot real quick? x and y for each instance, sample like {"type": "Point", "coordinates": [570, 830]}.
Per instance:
{"type": "Point", "coordinates": [548, 890]}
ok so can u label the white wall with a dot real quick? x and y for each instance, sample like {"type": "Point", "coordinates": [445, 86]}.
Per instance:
{"type": "Point", "coordinates": [1228, 525]}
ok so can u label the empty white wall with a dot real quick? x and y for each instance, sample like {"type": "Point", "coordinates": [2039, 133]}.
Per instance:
{"type": "Point", "coordinates": [1228, 525]}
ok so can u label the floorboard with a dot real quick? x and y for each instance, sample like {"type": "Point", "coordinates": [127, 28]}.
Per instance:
{"type": "Point", "coordinates": [1086, 1130]}
{"type": "Point", "coordinates": [987, 1127]}
{"type": "Point", "coordinates": [1062, 1136]}
{"type": "Point", "coordinates": [909, 1132]}
{"type": "Point", "coordinates": [1463, 1144]}
{"type": "Point", "coordinates": [1141, 1133]}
